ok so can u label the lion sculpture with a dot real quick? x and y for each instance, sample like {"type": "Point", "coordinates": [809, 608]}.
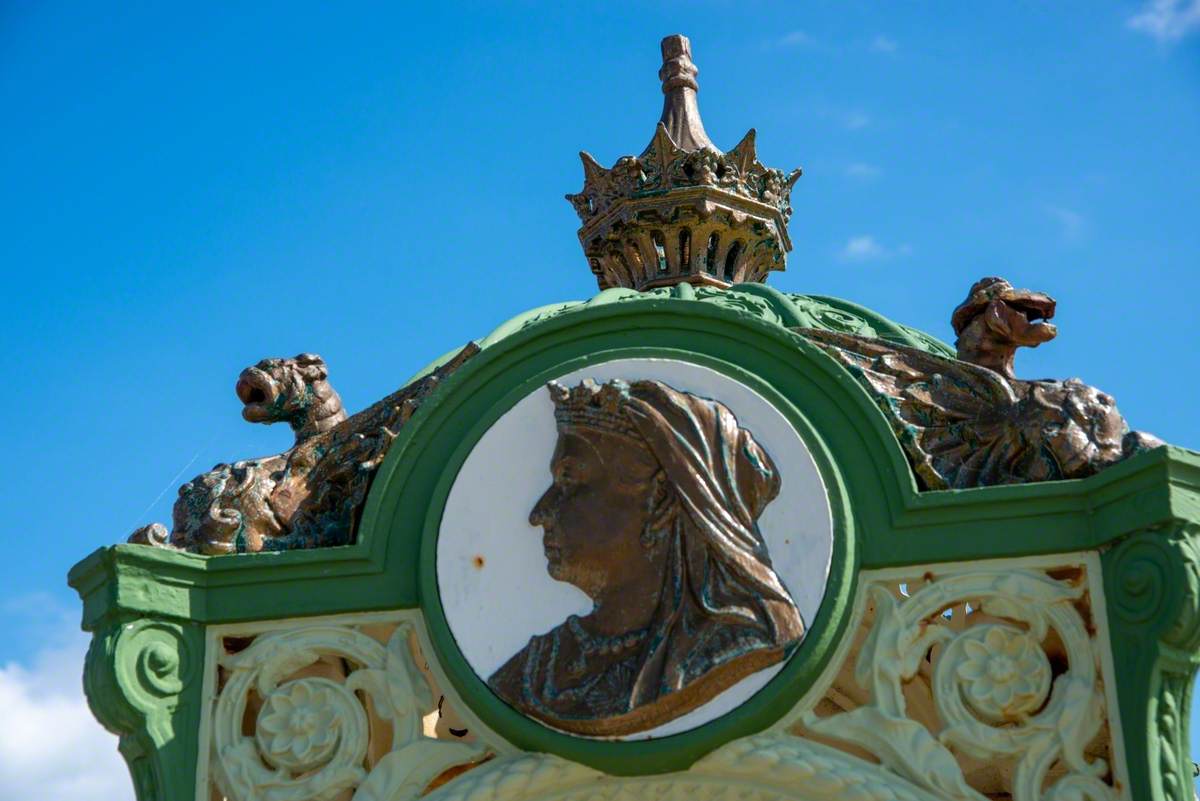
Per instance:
{"type": "Point", "coordinates": [311, 494]}
{"type": "Point", "coordinates": [293, 391]}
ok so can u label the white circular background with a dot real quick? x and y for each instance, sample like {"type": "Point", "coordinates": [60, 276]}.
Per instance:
{"type": "Point", "coordinates": [491, 568]}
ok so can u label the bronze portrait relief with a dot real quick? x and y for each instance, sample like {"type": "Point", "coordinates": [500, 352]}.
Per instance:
{"type": "Point", "coordinates": [652, 512]}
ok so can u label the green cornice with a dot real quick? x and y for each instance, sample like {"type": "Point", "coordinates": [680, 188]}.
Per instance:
{"type": "Point", "coordinates": [1150, 489]}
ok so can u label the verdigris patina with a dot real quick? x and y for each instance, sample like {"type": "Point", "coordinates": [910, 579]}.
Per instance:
{"type": "Point", "coordinates": [293, 391]}
{"type": "Point", "coordinates": [969, 422]}
{"type": "Point", "coordinates": [310, 495]}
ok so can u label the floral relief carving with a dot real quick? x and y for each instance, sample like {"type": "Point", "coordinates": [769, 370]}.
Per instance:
{"type": "Point", "coordinates": [1004, 673]}
{"type": "Point", "coordinates": [956, 686]}
{"type": "Point", "coordinates": [326, 711]}
{"type": "Point", "coordinates": [979, 684]}
{"type": "Point", "coordinates": [300, 723]}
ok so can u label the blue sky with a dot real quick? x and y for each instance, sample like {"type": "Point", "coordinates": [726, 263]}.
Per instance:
{"type": "Point", "coordinates": [191, 189]}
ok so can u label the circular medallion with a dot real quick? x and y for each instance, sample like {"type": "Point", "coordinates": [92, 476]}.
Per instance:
{"type": "Point", "coordinates": [634, 549]}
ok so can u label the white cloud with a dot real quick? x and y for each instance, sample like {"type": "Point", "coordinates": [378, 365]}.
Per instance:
{"type": "Point", "coordinates": [862, 248]}
{"type": "Point", "coordinates": [862, 171]}
{"type": "Point", "coordinates": [50, 745]}
{"type": "Point", "coordinates": [1071, 224]}
{"type": "Point", "coordinates": [883, 44]}
{"type": "Point", "coordinates": [795, 38]}
{"type": "Point", "coordinates": [866, 248]}
{"type": "Point", "coordinates": [1167, 20]}
{"type": "Point", "coordinates": [853, 120]}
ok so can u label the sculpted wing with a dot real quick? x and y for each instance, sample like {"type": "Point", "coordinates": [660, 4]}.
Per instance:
{"type": "Point", "coordinates": [958, 422]}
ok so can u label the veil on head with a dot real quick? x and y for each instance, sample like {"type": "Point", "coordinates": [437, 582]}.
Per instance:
{"type": "Point", "coordinates": [721, 598]}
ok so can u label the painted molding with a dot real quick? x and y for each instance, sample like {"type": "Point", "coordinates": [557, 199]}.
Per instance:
{"type": "Point", "coordinates": [1153, 587]}
{"type": "Point", "coordinates": [142, 681]}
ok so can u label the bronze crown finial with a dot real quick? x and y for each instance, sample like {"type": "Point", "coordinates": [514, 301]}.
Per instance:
{"type": "Point", "coordinates": [683, 211]}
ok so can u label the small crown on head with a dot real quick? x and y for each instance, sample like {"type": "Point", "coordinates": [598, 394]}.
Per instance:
{"type": "Point", "coordinates": [594, 406]}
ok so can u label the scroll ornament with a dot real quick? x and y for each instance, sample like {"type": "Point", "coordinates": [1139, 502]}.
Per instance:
{"type": "Point", "coordinates": [992, 687]}
{"type": "Point", "coordinates": [1153, 590]}
{"type": "Point", "coordinates": [312, 733]}
{"type": "Point", "coordinates": [1022, 687]}
{"type": "Point", "coordinates": [135, 675]}
{"type": "Point", "coordinates": [313, 738]}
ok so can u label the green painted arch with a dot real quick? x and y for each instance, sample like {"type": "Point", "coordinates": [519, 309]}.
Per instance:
{"type": "Point", "coordinates": [788, 310]}
{"type": "Point", "coordinates": [595, 330]}
{"type": "Point", "coordinates": [857, 455]}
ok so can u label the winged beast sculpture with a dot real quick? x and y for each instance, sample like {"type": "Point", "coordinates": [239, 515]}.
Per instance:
{"type": "Point", "coordinates": [969, 422]}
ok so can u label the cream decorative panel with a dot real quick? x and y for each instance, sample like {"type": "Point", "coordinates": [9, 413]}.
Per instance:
{"type": "Point", "coordinates": [330, 711]}
{"type": "Point", "coordinates": [982, 681]}
{"type": "Point", "coordinates": [953, 683]}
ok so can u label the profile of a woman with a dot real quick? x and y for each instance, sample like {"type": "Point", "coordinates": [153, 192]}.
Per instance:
{"type": "Point", "coordinates": [652, 512]}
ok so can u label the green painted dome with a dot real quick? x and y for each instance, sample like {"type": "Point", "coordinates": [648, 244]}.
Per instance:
{"type": "Point", "coordinates": [784, 309]}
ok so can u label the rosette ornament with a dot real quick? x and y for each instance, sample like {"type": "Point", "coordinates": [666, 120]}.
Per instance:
{"type": "Point", "coordinates": [684, 211]}
{"type": "Point", "coordinates": [1005, 674]}
{"type": "Point", "coordinates": [299, 723]}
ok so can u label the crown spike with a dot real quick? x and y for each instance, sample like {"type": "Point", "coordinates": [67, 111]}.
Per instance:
{"type": "Point", "coordinates": [591, 167]}
{"type": "Point", "coordinates": [681, 112]}
{"type": "Point", "coordinates": [745, 153]}
{"type": "Point", "coordinates": [661, 151]}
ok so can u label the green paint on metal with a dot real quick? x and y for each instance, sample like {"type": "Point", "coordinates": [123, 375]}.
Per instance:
{"type": "Point", "coordinates": [1152, 590]}
{"type": "Point", "coordinates": [882, 521]}
{"type": "Point", "coordinates": [765, 302]}
{"type": "Point", "coordinates": [143, 682]}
